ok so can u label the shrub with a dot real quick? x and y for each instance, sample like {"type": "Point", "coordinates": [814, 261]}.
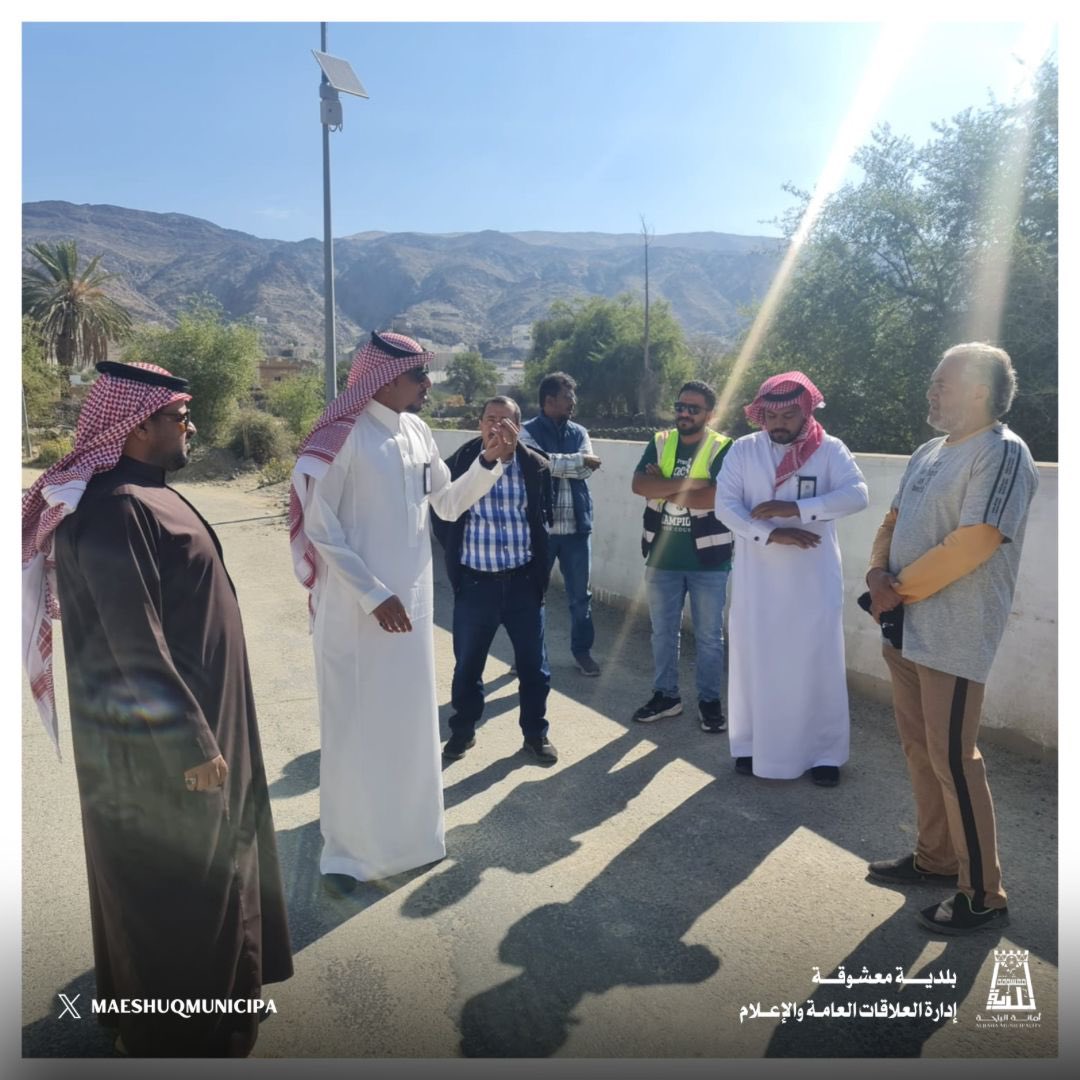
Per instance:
{"type": "Point", "coordinates": [52, 450]}
{"type": "Point", "coordinates": [41, 381]}
{"type": "Point", "coordinates": [275, 471]}
{"type": "Point", "coordinates": [298, 400]}
{"type": "Point", "coordinates": [219, 358]}
{"type": "Point", "coordinates": [258, 436]}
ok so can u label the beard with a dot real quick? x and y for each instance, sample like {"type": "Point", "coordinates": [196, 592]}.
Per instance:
{"type": "Point", "coordinates": [782, 437]}
{"type": "Point", "coordinates": [177, 460]}
{"type": "Point", "coordinates": [945, 422]}
{"type": "Point", "coordinates": [689, 428]}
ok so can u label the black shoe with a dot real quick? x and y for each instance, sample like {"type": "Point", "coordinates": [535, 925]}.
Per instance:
{"type": "Point", "coordinates": [338, 885]}
{"type": "Point", "coordinates": [744, 766]}
{"type": "Point", "coordinates": [657, 707]}
{"type": "Point", "coordinates": [903, 871]}
{"type": "Point", "coordinates": [456, 746]}
{"type": "Point", "coordinates": [712, 717]}
{"type": "Point", "coordinates": [825, 775]}
{"type": "Point", "coordinates": [586, 664]}
{"type": "Point", "coordinates": [957, 916]}
{"type": "Point", "coordinates": [542, 749]}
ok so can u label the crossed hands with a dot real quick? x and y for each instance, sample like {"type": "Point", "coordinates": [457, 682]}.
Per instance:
{"type": "Point", "coordinates": [792, 537]}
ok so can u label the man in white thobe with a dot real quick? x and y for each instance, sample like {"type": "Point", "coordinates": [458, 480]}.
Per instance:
{"type": "Point", "coordinates": [362, 485]}
{"type": "Point", "coordinates": [787, 680]}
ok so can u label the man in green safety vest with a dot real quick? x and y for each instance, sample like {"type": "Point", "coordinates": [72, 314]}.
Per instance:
{"type": "Point", "coordinates": [687, 550]}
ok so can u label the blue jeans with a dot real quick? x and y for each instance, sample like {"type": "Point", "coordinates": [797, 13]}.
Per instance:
{"type": "Point", "coordinates": [574, 552]}
{"type": "Point", "coordinates": [666, 591]}
{"type": "Point", "coordinates": [482, 604]}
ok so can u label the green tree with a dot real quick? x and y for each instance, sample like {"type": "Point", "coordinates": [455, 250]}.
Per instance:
{"type": "Point", "coordinates": [219, 359]}
{"type": "Point", "coordinates": [41, 382]}
{"type": "Point", "coordinates": [600, 342]}
{"type": "Point", "coordinates": [895, 271]}
{"type": "Point", "coordinates": [711, 359]}
{"type": "Point", "coordinates": [298, 400]}
{"type": "Point", "coordinates": [75, 316]}
{"type": "Point", "coordinates": [471, 376]}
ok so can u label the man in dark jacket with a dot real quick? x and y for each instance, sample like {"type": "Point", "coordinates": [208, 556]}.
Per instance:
{"type": "Point", "coordinates": [497, 562]}
{"type": "Point", "coordinates": [569, 450]}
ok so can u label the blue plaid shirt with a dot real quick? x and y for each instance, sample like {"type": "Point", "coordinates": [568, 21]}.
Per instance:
{"type": "Point", "coordinates": [496, 530]}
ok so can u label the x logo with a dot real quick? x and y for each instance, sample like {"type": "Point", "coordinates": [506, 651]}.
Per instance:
{"type": "Point", "coordinates": [69, 1006]}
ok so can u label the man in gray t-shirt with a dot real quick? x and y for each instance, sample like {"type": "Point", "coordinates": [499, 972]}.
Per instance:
{"type": "Point", "coordinates": [949, 551]}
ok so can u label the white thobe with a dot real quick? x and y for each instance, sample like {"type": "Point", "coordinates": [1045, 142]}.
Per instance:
{"type": "Point", "coordinates": [381, 804]}
{"type": "Point", "coordinates": [787, 683]}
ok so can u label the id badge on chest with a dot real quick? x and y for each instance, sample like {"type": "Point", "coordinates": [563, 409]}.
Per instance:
{"type": "Point", "coordinates": [807, 487]}
{"type": "Point", "coordinates": [427, 477]}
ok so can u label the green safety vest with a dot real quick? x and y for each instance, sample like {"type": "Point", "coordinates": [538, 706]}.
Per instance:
{"type": "Point", "coordinates": [712, 539]}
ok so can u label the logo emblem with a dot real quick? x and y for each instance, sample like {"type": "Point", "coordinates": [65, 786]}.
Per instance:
{"type": "Point", "coordinates": [1010, 988]}
{"type": "Point", "coordinates": [69, 1007]}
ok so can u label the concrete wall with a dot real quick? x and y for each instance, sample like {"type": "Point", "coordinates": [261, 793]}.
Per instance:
{"type": "Point", "coordinates": [1021, 694]}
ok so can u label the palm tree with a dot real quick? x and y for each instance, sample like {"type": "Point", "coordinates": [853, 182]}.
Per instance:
{"type": "Point", "coordinates": [75, 317]}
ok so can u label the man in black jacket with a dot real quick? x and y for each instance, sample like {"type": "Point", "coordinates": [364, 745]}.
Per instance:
{"type": "Point", "coordinates": [496, 559]}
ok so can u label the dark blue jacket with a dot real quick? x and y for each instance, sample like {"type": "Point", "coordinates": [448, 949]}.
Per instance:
{"type": "Point", "coordinates": [565, 438]}
{"type": "Point", "coordinates": [537, 477]}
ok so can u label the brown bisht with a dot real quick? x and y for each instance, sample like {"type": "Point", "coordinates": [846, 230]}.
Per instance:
{"type": "Point", "coordinates": [186, 897]}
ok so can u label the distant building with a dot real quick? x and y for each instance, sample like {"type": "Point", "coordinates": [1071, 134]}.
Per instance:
{"type": "Point", "coordinates": [443, 356]}
{"type": "Point", "coordinates": [511, 375]}
{"type": "Point", "coordinates": [274, 369]}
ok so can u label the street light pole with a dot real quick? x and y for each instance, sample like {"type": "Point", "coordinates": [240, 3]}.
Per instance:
{"type": "Point", "coordinates": [336, 75]}
{"type": "Point", "coordinates": [328, 245]}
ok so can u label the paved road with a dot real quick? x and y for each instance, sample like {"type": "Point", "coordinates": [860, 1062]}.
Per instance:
{"type": "Point", "coordinates": [633, 901]}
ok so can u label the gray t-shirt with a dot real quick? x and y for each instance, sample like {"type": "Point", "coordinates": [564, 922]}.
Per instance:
{"type": "Point", "coordinates": [988, 478]}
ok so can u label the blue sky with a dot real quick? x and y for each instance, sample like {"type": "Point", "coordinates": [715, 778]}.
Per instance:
{"type": "Point", "coordinates": [471, 125]}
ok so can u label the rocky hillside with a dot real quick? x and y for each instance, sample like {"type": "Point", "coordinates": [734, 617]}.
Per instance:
{"type": "Point", "coordinates": [468, 287]}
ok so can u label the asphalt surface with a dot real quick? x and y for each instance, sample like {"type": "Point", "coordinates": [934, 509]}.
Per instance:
{"type": "Point", "coordinates": [638, 899]}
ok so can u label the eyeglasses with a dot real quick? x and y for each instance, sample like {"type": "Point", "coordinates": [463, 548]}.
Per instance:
{"type": "Point", "coordinates": [418, 374]}
{"type": "Point", "coordinates": [183, 419]}
{"type": "Point", "coordinates": [693, 410]}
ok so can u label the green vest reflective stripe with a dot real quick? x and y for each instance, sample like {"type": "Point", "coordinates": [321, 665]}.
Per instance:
{"type": "Point", "coordinates": [667, 447]}
{"type": "Point", "coordinates": [712, 540]}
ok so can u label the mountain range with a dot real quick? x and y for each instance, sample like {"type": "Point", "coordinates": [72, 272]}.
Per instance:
{"type": "Point", "coordinates": [482, 289]}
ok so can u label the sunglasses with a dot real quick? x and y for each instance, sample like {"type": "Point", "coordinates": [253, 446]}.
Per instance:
{"type": "Point", "coordinates": [693, 410]}
{"type": "Point", "coordinates": [418, 374]}
{"type": "Point", "coordinates": [183, 419]}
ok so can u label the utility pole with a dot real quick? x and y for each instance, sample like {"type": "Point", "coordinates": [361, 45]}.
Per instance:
{"type": "Point", "coordinates": [645, 390]}
{"type": "Point", "coordinates": [26, 427]}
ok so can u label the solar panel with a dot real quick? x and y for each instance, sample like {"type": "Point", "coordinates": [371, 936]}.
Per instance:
{"type": "Point", "coordinates": [340, 74]}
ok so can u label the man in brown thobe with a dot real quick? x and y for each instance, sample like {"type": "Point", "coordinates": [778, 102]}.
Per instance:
{"type": "Point", "coordinates": [186, 898]}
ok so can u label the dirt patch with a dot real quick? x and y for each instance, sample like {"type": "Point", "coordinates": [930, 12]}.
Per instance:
{"type": "Point", "coordinates": [217, 464]}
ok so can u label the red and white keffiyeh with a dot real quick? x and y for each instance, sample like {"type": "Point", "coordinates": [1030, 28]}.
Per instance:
{"type": "Point", "coordinates": [114, 407]}
{"type": "Point", "coordinates": [782, 392]}
{"type": "Point", "coordinates": [372, 368]}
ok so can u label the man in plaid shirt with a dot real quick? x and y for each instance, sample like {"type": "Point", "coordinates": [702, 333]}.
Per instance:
{"type": "Point", "coordinates": [497, 562]}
